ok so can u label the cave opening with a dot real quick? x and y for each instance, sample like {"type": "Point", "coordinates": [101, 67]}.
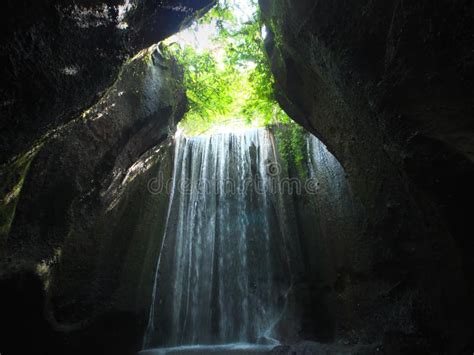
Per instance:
{"type": "Point", "coordinates": [226, 71]}
{"type": "Point", "coordinates": [170, 194]}
{"type": "Point", "coordinates": [253, 198]}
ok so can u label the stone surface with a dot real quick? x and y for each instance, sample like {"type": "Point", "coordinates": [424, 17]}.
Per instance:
{"type": "Point", "coordinates": [85, 224]}
{"type": "Point", "coordinates": [388, 88]}
{"type": "Point", "coordinates": [57, 57]}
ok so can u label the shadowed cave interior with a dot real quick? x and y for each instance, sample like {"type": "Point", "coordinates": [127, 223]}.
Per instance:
{"type": "Point", "coordinates": [236, 177]}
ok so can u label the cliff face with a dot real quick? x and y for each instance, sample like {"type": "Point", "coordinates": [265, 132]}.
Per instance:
{"type": "Point", "coordinates": [58, 57]}
{"type": "Point", "coordinates": [81, 215]}
{"type": "Point", "coordinates": [388, 88]}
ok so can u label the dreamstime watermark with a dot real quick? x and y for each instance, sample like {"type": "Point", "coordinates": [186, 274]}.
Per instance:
{"type": "Point", "coordinates": [267, 182]}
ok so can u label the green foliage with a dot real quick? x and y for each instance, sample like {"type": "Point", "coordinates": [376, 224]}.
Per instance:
{"type": "Point", "coordinates": [12, 179]}
{"type": "Point", "coordinates": [229, 83]}
{"type": "Point", "coordinates": [291, 139]}
{"type": "Point", "coordinates": [209, 89]}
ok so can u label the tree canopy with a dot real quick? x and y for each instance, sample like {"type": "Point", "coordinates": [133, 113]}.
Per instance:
{"type": "Point", "coordinates": [228, 79]}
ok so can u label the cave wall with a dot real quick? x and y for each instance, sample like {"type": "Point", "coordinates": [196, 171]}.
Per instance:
{"type": "Point", "coordinates": [93, 295]}
{"type": "Point", "coordinates": [388, 88]}
{"type": "Point", "coordinates": [59, 57]}
{"type": "Point", "coordinates": [85, 226]}
{"type": "Point", "coordinates": [89, 157]}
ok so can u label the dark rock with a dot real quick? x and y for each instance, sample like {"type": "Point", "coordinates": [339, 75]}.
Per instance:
{"type": "Point", "coordinates": [22, 303]}
{"type": "Point", "coordinates": [389, 89]}
{"type": "Point", "coordinates": [58, 57]}
{"type": "Point", "coordinates": [85, 219]}
{"type": "Point", "coordinates": [90, 156]}
{"type": "Point", "coordinates": [313, 348]}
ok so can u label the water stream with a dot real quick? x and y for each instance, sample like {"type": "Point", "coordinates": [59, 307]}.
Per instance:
{"type": "Point", "coordinates": [231, 254]}
{"type": "Point", "coordinates": [224, 269]}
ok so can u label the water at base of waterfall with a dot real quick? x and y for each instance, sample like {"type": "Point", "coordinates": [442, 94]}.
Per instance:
{"type": "Point", "coordinates": [223, 349]}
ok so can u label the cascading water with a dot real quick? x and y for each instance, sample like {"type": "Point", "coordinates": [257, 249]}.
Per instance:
{"type": "Point", "coordinates": [231, 253]}
{"type": "Point", "coordinates": [337, 209]}
{"type": "Point", "coordinates": [224, 269]}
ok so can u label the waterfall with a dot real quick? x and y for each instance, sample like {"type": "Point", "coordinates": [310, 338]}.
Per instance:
{"type": "Point", "coordinates": [338, 212]}
{"type": "Point", "coordinates": [224, 270]}
{"type": "Point", "coordinates": [239, 250]}
{"type": "Point", "coordinates": [326, 169]}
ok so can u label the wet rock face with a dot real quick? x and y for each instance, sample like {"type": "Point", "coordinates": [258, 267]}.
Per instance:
{"type": "Point", "coordinates": [85, 220]}
{"type": "Point", "coordinates": [58, 57]}
{"type": "Point", "coordinates": [388, 88]}
{"type": "Point", "coordinates": [88, 159]}
{"type": "Point", "coordinates": [413, 61]}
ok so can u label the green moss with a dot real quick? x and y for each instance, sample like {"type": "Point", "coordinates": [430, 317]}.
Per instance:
{"type": "Point", "coordinates": [291, 143]}
{"type": "Point", "coordinates": [11, 182]}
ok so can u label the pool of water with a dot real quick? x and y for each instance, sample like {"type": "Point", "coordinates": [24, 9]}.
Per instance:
{"type": "Point", "coordinates": [224, 349]}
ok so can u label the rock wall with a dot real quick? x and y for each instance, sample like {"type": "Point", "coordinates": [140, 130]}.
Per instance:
{"type": "Point", "coordinates": [58, 57]}
{"type": "Point", "coordinates": [83, 226]}
{"type": "Point", "coordinates": [388, 88]}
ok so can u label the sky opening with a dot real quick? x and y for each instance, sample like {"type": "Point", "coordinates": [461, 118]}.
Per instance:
{"type": "Point", "coordinates": [227, 77]}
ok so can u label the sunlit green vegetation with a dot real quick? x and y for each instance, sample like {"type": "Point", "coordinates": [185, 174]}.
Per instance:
{"type": "Point", "coordinates": [227, 74]}
{"type": "Point", "coordinates": [228, 79]}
